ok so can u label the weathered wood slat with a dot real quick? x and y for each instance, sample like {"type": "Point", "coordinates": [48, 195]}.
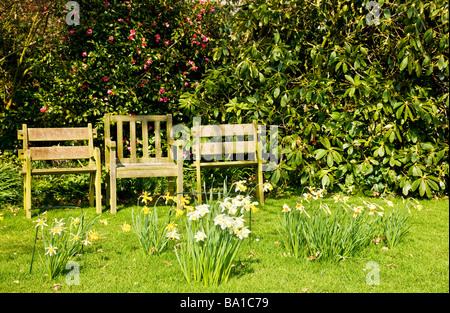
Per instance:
{"type": "Point", "coordinates": [226, 130]}
{"type": "Point", "coordinates": [158, 139]}
{"type": "Point", "coordinates": [133, 140]}
{"type": "Point", "coordinates": [235, 147]}
{"type": "Point", "coordinates": [120, 139]}
{"type": "Point", "coordinates": [145, 139]}
{"type": "Point", "coordinates": [60, 153]}
{"type": "Point", "coordinates": [61, 171]}
{"type": "Point", "coordinates": [58, 134]}
{"type": "Point", "coordinates": [127, 161]}
{"type": "Point", "coordinates": [136, 118]}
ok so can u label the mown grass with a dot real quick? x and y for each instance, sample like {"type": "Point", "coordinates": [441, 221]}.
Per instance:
{"type": "Point", "coordinates": [116, 262]}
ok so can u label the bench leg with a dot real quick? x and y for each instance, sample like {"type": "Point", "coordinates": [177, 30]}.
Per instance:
{"type": "Point", "coordinates": [98, 192]}
{"type": "Point", "coordinates": [171, 185]}
{"type": "Point", "coordinates": [108, 191]}
{"type": "Point", "coordinates": [91, 189]}
{"type": "Point", "coordinates": [27, 195]}
{"type": "Point", "coordinates": [179, 190]}
{"type": "Point", "coordinates": [260, 182]}
{"type": "Point", "coordinates": [112, 191]}
{"type": "Point", "coordinates": [199, 186]}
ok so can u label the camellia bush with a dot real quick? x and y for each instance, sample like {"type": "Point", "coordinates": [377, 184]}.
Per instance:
{"type": "Point", "coordinates": [358, 89]}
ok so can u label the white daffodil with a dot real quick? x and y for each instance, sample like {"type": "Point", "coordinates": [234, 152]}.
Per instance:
{"type": "Point", "coordinates": [193, 216]}
{"type": "Point", "coordinates": [267, 187]}
{"type": "Point", "coordinates": [200, 236]}
{"type": "Point", "coordinates": [51, 250]}
{"type": "Point", "coordinates": [239, 222]}
{"type": "Point", "coordinates": [202, 209]}
{"type": "Point", "coordinates": [286, 208]}
{"type": "Point", "coordinates": [243, 233]}
{"type": "Point", "coordinates": [173, 234]}
{"type": "Point", "coordinates": [40, 222]}
{"type": "Point", "coordinates": [240, 186]}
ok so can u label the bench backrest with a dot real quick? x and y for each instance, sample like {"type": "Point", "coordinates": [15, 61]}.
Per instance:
{"type": "Point", "coordinates": [45, 136]}
{"type": "Point", "coordinates": [139, 137]}
{"type": "Point", "coordinates": [225, 142]}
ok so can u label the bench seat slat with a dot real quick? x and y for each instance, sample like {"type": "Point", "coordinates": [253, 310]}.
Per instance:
{"type": "Point", "coordinates": [61, 171]}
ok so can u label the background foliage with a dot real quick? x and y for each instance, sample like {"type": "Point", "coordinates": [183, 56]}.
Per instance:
{"type": "Point", "coordinates": [359, 105]}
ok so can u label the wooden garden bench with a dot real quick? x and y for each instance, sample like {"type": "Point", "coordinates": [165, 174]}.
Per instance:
{"type": "Point", "coordinates": [221, 150]}
{"type": "Point", "coordinates": [36, 147]}
{"type": "Point", "coordinates": [134, 154]}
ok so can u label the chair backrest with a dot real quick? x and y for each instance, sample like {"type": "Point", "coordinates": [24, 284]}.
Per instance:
{"type": "Point", "coordinates": [225, 142]}
{"type": "Point", "coordinates": [38, 141]}
{"type": "Point", "coordinates": [140, 138]}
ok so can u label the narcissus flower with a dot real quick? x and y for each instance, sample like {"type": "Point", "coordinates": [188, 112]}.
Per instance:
{"type": "Point", "coordinates": [286, 208]}
{"type": "Point", "coordinates": [51, 250]}
{"type": "Point", "coordinates": [126, 228]}
{"type": "Point", "coordinates": [200, 236]}
{"type": "Point", "coordinates": [40, 222]}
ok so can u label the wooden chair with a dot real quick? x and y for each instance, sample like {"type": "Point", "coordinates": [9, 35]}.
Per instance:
{"type": "Point", "coordinates": [222, 150]}
{"type": "Point", "coordinates": [139, 159]}
{"type": "Point", "coordinates": [35, 148]}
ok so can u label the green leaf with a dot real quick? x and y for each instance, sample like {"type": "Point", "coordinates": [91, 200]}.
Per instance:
{"type": "Point", "coordinates": [276, 92]}
{"type": "Point", "coordinates": [404, 63]}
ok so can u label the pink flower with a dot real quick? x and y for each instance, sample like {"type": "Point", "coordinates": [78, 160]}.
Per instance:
{"type": "Point", "coordinates": [59, 22]}
{"type": "Point", "coordinates": [202, 10]}
{"type": "Point", "coordinates": [71, 32]}
{"type": "Point", "coordinates": [132, 32]}
{"type": "Point", "coordinates": [106, 3]}
{"type": "Point", "coordinates": [44, 109]}
{"type": "Point", "coordinates": [199, 16]}
{"type": "Point", "coordinates": [212, 9]}
{"type": "Point", "coordinates": [167, 24]}
{"type": "Point", "coordinates": [84, 65]}
{"type": "Point", "coordinates": [109, 91]}
{"type": "Point", "coordinates": [139, 52]}
{"type": "Point", "coordinates": [167, 42]}
{"type": "Point", "coordinates": [89, 31]}
{"type": "Point", "coordinates": [162, 91]}
{"type": "Point", "coordinates": [145, 66]}
{"type": "Point", "coordinates": [111, 38]}
{"type": "Point", "coordinates": [148, 61]}
{"type": "Point", "coordinates": [131, 38]}
{"type": "Point", "coordinates": [186, 84]}
{"type": "Point", "coordinates": [84, 54]}
{"type": "Point", "coordinates": [194, 68]}
{"type": "Point", "coordinates": [158, 37]}
{"type": "Point", "coordinates": [63, 38]}
{"type": "Point", "coordinates": [120, 20]}
{"type": "Point", "coordinates": [206, 59]}
{"type": "Point", "coordinates": [191, 62]}
{"type": "Point", "coordinates": [105, 99]}
{"type": "Point", "coordinates": [133, 61]}
{"type": "Point", "coordinates": [105, 79]}
{"type": "Point", "coordinates": [84, 86]}
{"type": "Point", "coordinates": [144, 45]}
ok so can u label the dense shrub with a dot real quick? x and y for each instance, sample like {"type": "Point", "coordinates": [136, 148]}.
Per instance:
{"type": "Point", "coordinates": [359, 104]}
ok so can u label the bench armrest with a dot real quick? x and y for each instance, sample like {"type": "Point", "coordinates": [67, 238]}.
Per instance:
{"type": "Point", "coordinates": [110, 144]}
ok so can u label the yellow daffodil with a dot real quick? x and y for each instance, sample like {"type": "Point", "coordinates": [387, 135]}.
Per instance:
{"type": "Point", "coordinates": [105, 221]}
{"type": "Point", "coordinates": [146, 198]}
{"type": "Point", "coordinates": [168, 197]}
{"type": "Point", "coordinates": [76, 221]}
{"type": "Point", "coordinates": [267, 187]}
{"type": "Point", "coordinates": [93, 236]}
{"type": "Point", "coordinates": [145, 210]}
{"type": "Point", "coordinates": [171, 226]}
{"type": "Point", "coordinates": [240, 186]}
{"type": "Point", "coordinates": [126, 228]}
{"type": "Point", "coordinates": [178, 212]}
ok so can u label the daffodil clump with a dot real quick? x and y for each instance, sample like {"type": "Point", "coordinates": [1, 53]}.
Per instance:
{"type": "Point", "coordinates": [213, 236]}
{"type": "Point", "coordinates": [63, 239]}
{"type": "Point", "coordinates": [312, 231]}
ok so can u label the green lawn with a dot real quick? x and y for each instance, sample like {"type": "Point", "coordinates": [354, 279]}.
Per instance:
{"type": "Point", "coordinates": [116, 263]}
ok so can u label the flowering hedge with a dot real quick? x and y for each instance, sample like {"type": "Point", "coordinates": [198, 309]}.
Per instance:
{"type": "Point", "coordinates": [125, 57]}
